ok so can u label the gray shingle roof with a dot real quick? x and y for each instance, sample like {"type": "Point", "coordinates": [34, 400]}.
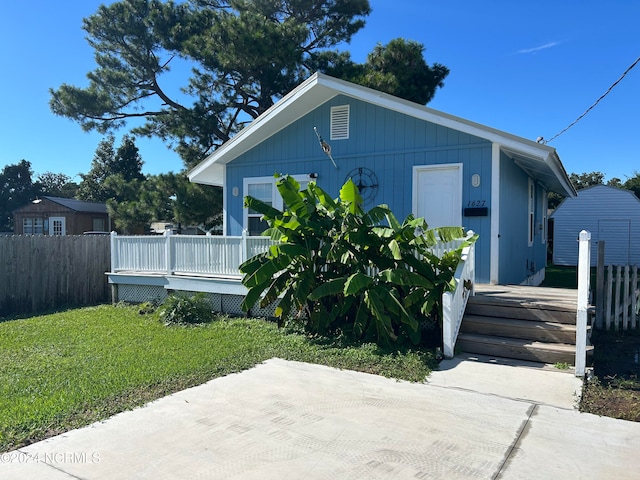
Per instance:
{"type": "Point", "coordinates": [79, 205]}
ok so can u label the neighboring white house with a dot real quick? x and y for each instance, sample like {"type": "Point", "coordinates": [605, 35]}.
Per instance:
{"type": "Point", "coordinates": [610, 214]}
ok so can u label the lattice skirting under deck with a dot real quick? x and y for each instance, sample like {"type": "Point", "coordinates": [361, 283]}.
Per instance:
{"type": "Point", "coordinates": [221, 303]}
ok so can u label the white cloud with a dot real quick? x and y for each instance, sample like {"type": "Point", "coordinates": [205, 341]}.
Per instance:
{"type": "Point", "coordinates": [541, 47]}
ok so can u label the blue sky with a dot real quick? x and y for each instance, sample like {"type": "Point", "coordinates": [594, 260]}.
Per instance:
{"type": "Point", "coordinates": [528, 68]}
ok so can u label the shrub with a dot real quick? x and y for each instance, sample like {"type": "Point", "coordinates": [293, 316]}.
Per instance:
{"type": "Point", "coordinates": [338, 268]}
{"type": "Point", "coordinates": [178, 309]}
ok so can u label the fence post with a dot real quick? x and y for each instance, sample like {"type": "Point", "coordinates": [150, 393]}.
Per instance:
{"type": "Point", "coordinates": [447, 325]}
{"type": "Point", "coordinates": [634, 297]}
{"type": "Point", "coordinates": [114, 253]}
{"type": "Point", "coordinates": [167, 250]}
{"type": "Point", "coordinates": [584, 274]}
{"type": "Point", "coordinates": [625, 299]}
{"type": "Point", "coordinates": [600, 300]}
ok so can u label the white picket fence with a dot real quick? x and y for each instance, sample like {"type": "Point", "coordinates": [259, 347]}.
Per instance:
{"type": "Point", "coordinates": [620, 298]}
{"type": "Point", "coordinates": [617, 294]}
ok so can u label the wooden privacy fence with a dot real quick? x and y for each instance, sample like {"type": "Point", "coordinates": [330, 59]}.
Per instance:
{"type": "Point", "coordinates": [617, 295]}
{"type": "Point", "coordinates": [40, 273]}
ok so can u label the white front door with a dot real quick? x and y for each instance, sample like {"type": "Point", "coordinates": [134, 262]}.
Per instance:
{"type": "Point", "coordinates": [437, 194]}
{"type": "Point", "coordinates": [57, 226]}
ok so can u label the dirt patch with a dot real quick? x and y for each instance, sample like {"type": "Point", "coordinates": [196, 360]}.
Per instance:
{"type": "Point", "coordinates": [614, 389]}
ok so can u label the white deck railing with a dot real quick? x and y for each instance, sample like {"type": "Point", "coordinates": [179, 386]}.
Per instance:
{"type": "Point", "coordinates": [454, 303]}
{"type": "Point", "coordinates": [184, 254]}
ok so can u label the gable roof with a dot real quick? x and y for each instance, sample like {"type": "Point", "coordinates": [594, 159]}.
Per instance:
{"type": "Point", "coordinates": [605, 195]}
{"type": "Point", "coordinates": [539, 161]}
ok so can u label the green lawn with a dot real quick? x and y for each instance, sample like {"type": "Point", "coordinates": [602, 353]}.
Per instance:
{"type": "Point", "coordinates": [68, 369]}
{"type": "Point", "coordinates": [564, 277]}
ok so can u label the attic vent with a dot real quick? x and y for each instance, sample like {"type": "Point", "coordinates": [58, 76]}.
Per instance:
{"type": "Point", "coordinates": [340, 122]}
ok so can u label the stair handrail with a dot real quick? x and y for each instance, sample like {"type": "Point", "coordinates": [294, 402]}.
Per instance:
{"type": "Point", "coordinates": [584, 279]}
{"type": "Point", "coordinates": [455, 302]}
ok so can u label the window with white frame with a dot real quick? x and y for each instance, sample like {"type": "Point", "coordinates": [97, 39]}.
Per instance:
{"type": "Point", "coordinates": [264, 189]}
{"type": "Point", "coordinates": [32, 226]}
{"type": "Point", "coordinates": [532, 216]}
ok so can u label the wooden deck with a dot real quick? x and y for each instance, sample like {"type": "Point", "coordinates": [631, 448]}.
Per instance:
{"type": "Point", "coordinates": [527, 296]}
{"type": "Point", "coordinates": [521, 322]}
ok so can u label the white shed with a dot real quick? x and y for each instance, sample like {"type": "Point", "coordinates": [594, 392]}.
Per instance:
{"type": "Point", "coordinates": [610, 214]}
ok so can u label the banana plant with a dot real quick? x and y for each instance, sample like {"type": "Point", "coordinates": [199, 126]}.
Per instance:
{"type": "Point", "coordinates": [336, 267]}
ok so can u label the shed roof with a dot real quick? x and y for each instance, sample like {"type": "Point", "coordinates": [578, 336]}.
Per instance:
{"type": "Point", "coordinates": [607, 196]}
{"type": "Point", "coordinates": [79, 205]}
{"type": "Point", "coordinates": [71, 204]}
{"type": "Point", "coordinates": [540, 161]}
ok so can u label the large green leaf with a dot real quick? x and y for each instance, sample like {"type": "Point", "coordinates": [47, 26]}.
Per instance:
{"type": "Point", "coordinates": [254, 263]}
{"type": "Point", "coordinates": [376, 214]}
{"type": "Point", "coordinates": [254, 293]}
{"type": "Point", "coordinates": [264, 272]}
{"type": "Point", "coordinates": [393, 303]}
{"type": "Point", "coordinates": [289, 190]}
{"type": "Point", "coordinates": [393, 221]}
{"type": "Point", "coordinates": [286, 223]}
{"type": "Point", "coordinates": [395, 249]}
{"type": "Point", "coordinates": [261, 207]}
{"type": "Point", "coordinates": [331, 287]}
{"type": "Point", "coordinates": [293, 250]}
{"type": "Point", "coordinates": [404, 277]}
{"type": "Point", "coordinates": [416, 295]}
{"type": "Point", "coordinates": [275, 288]}
{"type": "Point", "coordinates": [381, 322]}
{"type": "Point", "coordinates": [356, 283]}
{"type": "Point", "coordinates": [284, 305]}
{"type": "Point", "coordinates": [350, 195]}
{"type": "Point", "coordinates": [446, 234]}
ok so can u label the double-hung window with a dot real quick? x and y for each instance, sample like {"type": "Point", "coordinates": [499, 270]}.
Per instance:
{"type": "Point", "coordinates": [264, 189]}
{"type": "Point", "coordinates": [32, 226]}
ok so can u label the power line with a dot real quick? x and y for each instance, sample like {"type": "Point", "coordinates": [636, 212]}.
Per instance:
{"type": "Point", "coordinates": [542, 140]}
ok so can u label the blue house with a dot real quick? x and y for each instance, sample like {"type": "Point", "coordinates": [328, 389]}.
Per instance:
{"type": "Point", "coordinates": [414, 159]}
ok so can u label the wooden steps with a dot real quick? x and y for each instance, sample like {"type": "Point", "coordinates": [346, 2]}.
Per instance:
{"type": "Point", "coordinates": [526, 323]}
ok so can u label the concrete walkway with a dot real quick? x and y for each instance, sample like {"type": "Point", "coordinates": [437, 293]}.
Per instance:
{"type": "Point", "coordinates": [287, 420]}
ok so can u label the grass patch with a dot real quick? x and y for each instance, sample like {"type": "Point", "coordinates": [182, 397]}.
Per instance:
{"type": "Point", "coordinates": [558, 276]}
{"type": "Point", "coordinates": [614, 390]}
{"type": "Point", "coordinates": [64, 370]}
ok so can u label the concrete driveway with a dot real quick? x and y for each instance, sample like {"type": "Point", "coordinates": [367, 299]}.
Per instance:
{"type": "Point", "coordinates": [289, 420]}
